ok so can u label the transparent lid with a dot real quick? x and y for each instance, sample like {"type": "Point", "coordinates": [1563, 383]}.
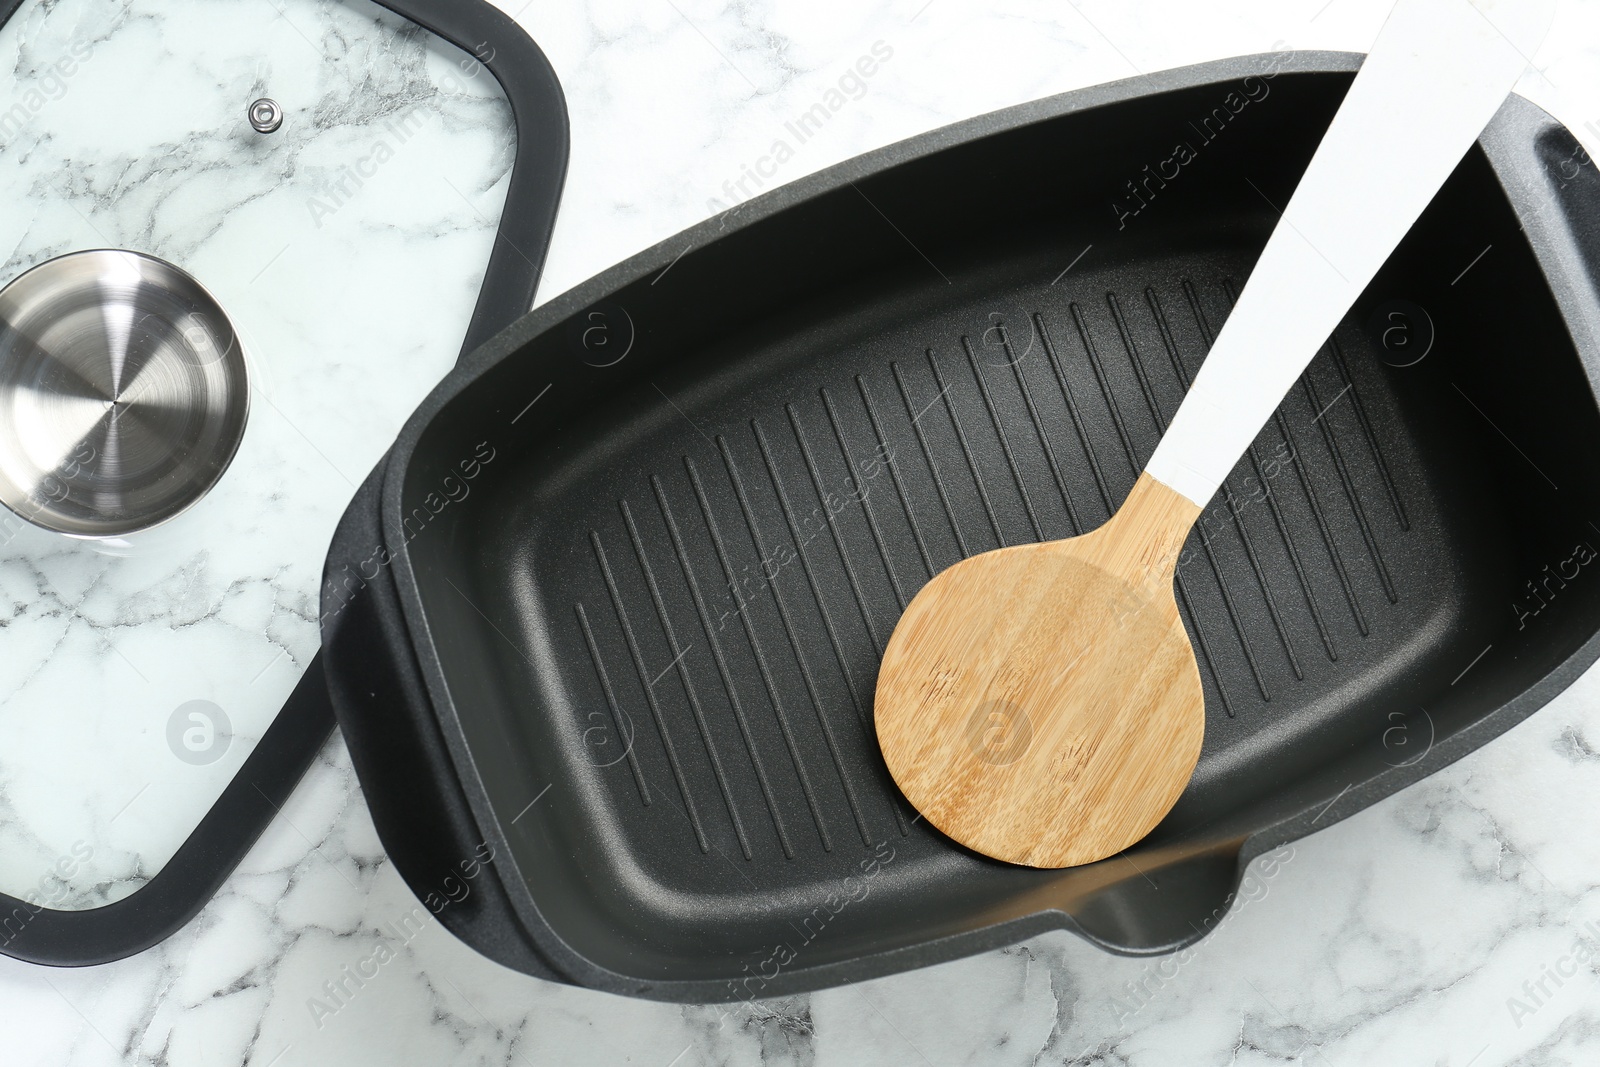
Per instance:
{"type": "Point", "coordinates": [347, 249]}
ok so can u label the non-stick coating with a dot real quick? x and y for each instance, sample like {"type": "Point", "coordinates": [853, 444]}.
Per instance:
{"type": "Point", "coordinates": [700, 496]}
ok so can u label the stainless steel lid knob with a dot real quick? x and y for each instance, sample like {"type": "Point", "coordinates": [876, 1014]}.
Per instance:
{"type": "Point", "coordinates": [266, 115]}
{"type": "Point", "coordinates": [123, 393]}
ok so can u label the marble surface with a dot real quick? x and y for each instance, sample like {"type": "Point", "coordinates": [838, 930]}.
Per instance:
{"type": "Point", "coordinates": [1457, 922]}
{"type": "Point", "coordinates": [348, 249]}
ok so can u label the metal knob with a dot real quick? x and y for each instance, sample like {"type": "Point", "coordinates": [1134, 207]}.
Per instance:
{"type": "Point", "coordinates": [123, 393]}
{"type": "Point", "coordinates": [266, 115]}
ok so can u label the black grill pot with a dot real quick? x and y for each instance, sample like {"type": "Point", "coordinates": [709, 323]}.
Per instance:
{"type": "Point", "coordinates": [612, 612]}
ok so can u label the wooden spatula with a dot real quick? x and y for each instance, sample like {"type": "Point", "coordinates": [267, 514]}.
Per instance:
{"type": "Point", "coordinates": [1041, 704]}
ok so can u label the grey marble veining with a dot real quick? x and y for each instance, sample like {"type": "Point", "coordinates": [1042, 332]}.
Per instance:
{"type": "Point", "coordinates": [1429, 929]}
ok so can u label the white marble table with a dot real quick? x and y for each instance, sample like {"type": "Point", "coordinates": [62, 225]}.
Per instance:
{"type": "Point", "coordinates": [1438, 927]}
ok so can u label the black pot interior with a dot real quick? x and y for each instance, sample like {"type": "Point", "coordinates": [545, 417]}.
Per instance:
{"type": "Point", "coordinates": [665, 595]}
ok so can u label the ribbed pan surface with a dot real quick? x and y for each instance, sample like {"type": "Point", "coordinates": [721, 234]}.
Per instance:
{"type": "Point", "coordinates": [740, 587]}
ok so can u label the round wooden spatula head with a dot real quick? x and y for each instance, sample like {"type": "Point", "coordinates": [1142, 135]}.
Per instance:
{"type": "Point", "coordinates": [1041, 704]}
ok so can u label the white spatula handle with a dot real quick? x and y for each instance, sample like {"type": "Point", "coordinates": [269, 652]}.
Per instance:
{"type": "Point", "coordinates": [1434, 78]}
